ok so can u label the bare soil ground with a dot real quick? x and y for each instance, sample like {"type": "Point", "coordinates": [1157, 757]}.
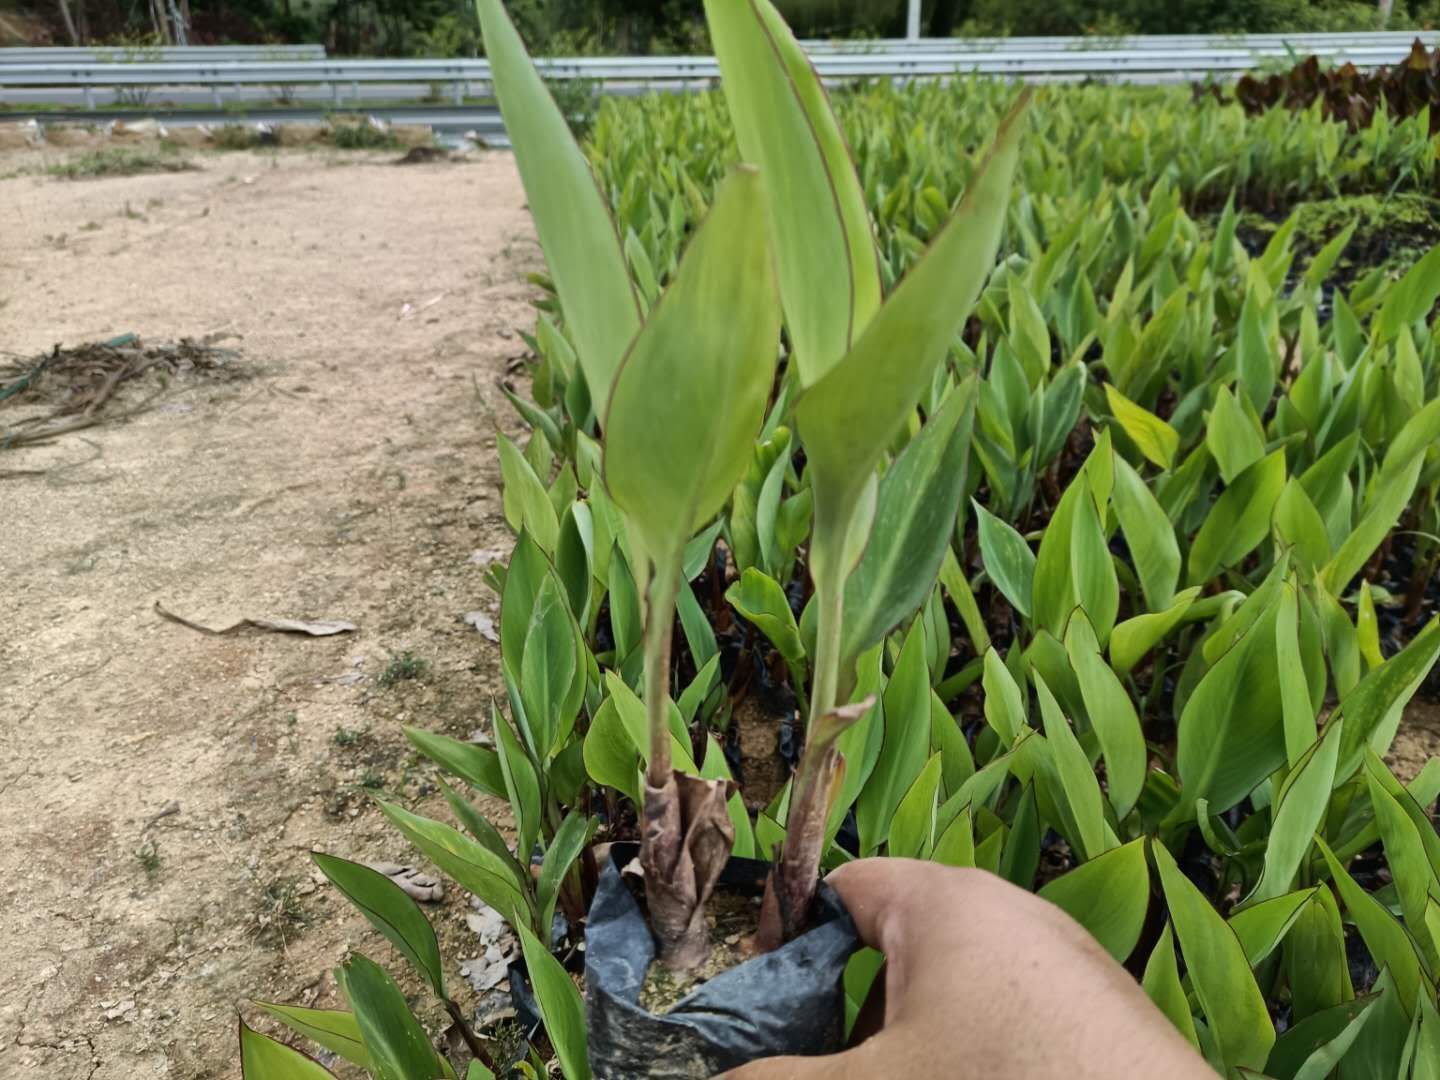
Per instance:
{"type": "Point", "coordinates": [351, 476]}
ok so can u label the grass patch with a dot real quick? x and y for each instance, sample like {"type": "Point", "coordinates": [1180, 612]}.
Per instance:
{"type": "Point", "coordinates": [280, 915]}
{"type": "Point", "coordinates": [148, 856]}
{"type": "Point", "coordinates": [122, 161]}
{"type": "Point", "coordinates": [362, 136]}
{"type": "Point", "coordinates": [403, 668]}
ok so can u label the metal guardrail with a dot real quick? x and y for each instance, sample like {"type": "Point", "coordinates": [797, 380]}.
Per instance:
{"type": "Point", "coordinates": [1303, 43]}
{"type": "Point", "coordinates": [127, 54]}
{"type": "Point", "coordinates": [1153, 63]}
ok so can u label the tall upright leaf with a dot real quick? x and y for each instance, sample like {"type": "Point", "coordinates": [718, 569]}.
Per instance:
{"type": "Point", "coordinates": [827, 264]}
{"type": "Point", "coordinates": [576, 231]}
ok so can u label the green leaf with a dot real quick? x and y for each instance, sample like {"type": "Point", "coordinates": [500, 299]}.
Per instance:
{"type": "Point", "coordinates": [1004, 699]}
{"type": "Point", "coordinates": [1078, 788]}
{"type": "Point", "coordinates": [391, 911]}
{"type": "Point", "coordinates": [262, 1058]}
{"type": "Point", "coordinates": [849, 416]}
{"type": "Point", "coordinates": [1409, 299]}
{"type": "Point", "coordinates": [1231, 735]}
{"type": "Point", "coordinates": [334, 1029]}
{"type": "Point", "coordinates": [522, 784]}
{"type": "Point", "coordinates": [1112, 715]}
{"type": "Point", "coordinates": [906, 744]}
{"type": "Point", "coordinates": [477, 826]}
{"type": "Point", "coordinates": [1298, 812]}
{"type": "Point", "coordinates": [570, 840]}
{"type": "Point", "coordinates": [1156, 439]}
{"type": "Point", "coordinates": [1074, 567]}
{"type": "Point", "coordinates": [467, 861]}
{"type": "Point", "coordinates": [1109, 896]}
{"type": "Point", "coordinates": [760, 599]}
{"type": "Point", "coordinates": [1232, 1002]}
{"type": "Point", "coordinates": [1239, 520]}
{"type": "Point", "coordinates": [829, 275]}
{"type": "Point", "coordinates": [527, 503]}
{"type": "Point", "coordinates": [548, 670]}
{"type": "Point", "coordinates": [1255, 360]}
{"type": "Point", "coordinates": [1386, 939]}
{"type": "Point", "coordinates": [1390, 498]}
{"type": "Point", "coordinates": [560, 1006]}
{"type": "Point", "coordinates": [1299, 525]}
{"type": "Point", "coordinates": [1162, 983]}
{"type": "Point", "coordinates": [1372, 710]}
{"type": "Point", "coordinates": [476, 765]}
{"type": "Point", "coordinates": [691, 394]}
{"type": "Point", "coordinates": [577, 234]}
{"type": "Point", "coordinates": [394, 1039]}
{"type": "Point", "coordinates": [1415, 879]}
{"type": "Point", "coordinates": [610, 755]}
{"type": "Point", "coordinates": [912, 828]}
{"type": "Point", "coordinates": [1134, 638]}
{"type": "Point", "coordinates": [915, 510]}
{"type": "Point", "coordinates": [626, 625]}
{"type": "Point", "coordinates": [1427, 1047]}
{"type": "Point", "coordinates": [1262, 926]}
{"type": "Point", "coordinates": [1314, 1047]}
{"type": "Point", "coordinates": [1234, 440]}
{"type": "Point", "coordinates": [1149, 535]}
{"type": "Point", "coordinates": [1315, 958]}
{"type": "Point", "coordinates": [1008, 559]}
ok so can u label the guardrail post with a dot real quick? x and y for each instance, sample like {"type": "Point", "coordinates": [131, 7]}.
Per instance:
{"type": "Point", "coordinates": [459, 92]}
{"type": "Point", "coordinates": [215, 97]}
{"type": "Point", "coordinates": [89, 98]}
{"type": "Point", "coordinates": [912, 21]}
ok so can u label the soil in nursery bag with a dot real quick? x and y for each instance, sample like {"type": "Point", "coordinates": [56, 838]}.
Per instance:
{"type": "Point", "coordinates": [734, 1009]}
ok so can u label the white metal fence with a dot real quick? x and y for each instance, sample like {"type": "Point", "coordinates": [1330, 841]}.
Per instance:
{"type": "Point", "coordinates": [1149, 60]}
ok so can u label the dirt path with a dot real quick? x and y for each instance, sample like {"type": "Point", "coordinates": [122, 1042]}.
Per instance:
{"type": "Point", "coordinates": [159, 789]}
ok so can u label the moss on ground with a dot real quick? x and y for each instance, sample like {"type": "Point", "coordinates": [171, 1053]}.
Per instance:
{"type": "Point", "coordinates": [1391, 233]}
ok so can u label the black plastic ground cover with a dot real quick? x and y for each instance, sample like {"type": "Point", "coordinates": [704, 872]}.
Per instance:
{"type": "Point", "coordinates": [790, 1001]}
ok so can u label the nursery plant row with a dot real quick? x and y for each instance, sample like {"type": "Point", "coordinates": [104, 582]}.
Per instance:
{"type": "Point", "coordinates": [968, 448]}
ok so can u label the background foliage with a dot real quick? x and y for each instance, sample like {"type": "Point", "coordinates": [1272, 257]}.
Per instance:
{"type": "Point", "coordinates": [560, 27]}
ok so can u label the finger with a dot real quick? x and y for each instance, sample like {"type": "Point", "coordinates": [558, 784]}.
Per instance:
{"type": "Point", "coordinates": [878, 892]}
{"type": "Point", "coordinates": [857, 1064]}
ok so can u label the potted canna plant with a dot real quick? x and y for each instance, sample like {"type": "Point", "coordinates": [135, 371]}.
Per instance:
{"type": "Point", "coordinates": [680, 394]}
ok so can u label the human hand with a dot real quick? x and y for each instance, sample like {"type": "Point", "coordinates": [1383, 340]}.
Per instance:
{"type": "Point", "coordinates": [983, 979]}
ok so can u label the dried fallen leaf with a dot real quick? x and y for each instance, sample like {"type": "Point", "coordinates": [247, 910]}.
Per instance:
{"type": "Point", "coordinates": [320, 628]}
{"type": "Point", "coordinates": [416, 883]}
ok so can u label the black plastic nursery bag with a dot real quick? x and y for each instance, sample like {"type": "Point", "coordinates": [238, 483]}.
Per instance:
{"type": "Point", "coordinates": [789, 1001]}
